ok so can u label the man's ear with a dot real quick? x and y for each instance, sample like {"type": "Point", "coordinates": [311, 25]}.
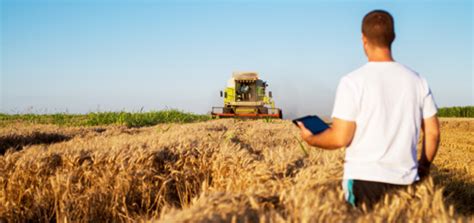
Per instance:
{"type": "Point", "coordinates": [364, 39]}
{"type": "Point", "coordinates": [365, 44]}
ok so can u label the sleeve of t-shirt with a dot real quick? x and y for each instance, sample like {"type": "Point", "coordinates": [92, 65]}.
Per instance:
{"type": "Point", "coordinates": [428, 108]}
{"type": "Point", "coordinates": [345, 105]}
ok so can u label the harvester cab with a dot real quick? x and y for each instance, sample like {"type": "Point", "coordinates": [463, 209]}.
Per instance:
{"type": "Point", "coordinates": [245, 96]}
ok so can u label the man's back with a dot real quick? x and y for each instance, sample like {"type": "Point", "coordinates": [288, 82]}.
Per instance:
{"type": "Point", "coordinates": [379, 112]}
{"type": "Point", "coordinates": [387, 101]}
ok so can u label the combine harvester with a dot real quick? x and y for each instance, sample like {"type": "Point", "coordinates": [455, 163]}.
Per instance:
{"type": "Point", "coordinates": [245, 97]}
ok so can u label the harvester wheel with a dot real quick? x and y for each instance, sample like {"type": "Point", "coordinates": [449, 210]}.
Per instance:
{"type": "Point", "coordinates": [263, 110]}
{"type": "Point", "coordinates": [228, 110]}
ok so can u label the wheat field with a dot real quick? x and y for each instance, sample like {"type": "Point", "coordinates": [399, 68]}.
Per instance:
{"type": "Point", "coordinates": [214, 171]}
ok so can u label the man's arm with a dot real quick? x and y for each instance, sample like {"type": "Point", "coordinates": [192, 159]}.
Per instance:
{"type": "Point", "coordinates": [431, 137]}
{"type": "Point", "coordinates": [339, 135]}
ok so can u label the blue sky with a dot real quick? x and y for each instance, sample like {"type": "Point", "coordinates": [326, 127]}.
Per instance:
{"type": "Point", "coordinates": [81, 56]}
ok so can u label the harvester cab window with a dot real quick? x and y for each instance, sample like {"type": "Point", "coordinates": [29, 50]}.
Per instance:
{"type": "Point", "coordinates": [244, 89]}
{"type": "Point", "coordinates": [246, 92]}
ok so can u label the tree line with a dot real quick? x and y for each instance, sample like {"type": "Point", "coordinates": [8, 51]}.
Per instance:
{"type": "Point", "coordinates": [457, 111]}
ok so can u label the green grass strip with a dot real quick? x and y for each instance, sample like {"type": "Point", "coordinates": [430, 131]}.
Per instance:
{"type": "Point", "coordinates": [128, 119]}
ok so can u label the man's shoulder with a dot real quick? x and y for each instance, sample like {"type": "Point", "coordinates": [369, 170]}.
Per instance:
{"type": "Point", "coordinates": [373, 68]}
{"type": "Point", "coordinates": [357, 72]}
{"type": "Point", "coordinates": [356, 75]}
{"type": "Point", "coordinates": [408, 69]}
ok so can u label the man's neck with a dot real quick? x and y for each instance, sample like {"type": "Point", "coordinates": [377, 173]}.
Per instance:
{"type": "Point", "coordinates": [380, 55]}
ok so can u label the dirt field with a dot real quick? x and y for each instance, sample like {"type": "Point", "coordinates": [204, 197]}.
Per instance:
{"type": "Point", "coordinates": [222, 170]}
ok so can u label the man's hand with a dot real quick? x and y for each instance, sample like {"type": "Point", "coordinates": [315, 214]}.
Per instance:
{"type": "Point", "coordinates": [338, 135]}
{"type": "Point", "coordinates": [305, 133]}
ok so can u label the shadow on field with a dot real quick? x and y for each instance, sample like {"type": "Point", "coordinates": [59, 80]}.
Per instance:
{"type": "Point", "coordinates": [457, 192]}
{"type": "Point", "coordinates": [17, 142]}
{"type": "Point", "coordinates": [257, 154]}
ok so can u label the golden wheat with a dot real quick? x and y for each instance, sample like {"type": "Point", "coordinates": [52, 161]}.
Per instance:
{"type": "Point", "coordinates": [222, 170]}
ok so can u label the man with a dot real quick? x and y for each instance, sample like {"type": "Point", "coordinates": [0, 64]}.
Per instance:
{"type": "Point", "coordinates": [378, 113]}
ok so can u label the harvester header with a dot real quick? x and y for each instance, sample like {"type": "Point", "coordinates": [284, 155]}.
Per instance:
{"type": "Point", "coordinates": [245, 96]}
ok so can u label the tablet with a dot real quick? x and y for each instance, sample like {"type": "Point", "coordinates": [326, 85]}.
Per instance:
{"type": "Point", "coordinates": [313, 123]}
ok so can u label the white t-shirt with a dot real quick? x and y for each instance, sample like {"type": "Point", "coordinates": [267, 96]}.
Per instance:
{"type": "Point", "coordinates": [387, 101]}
